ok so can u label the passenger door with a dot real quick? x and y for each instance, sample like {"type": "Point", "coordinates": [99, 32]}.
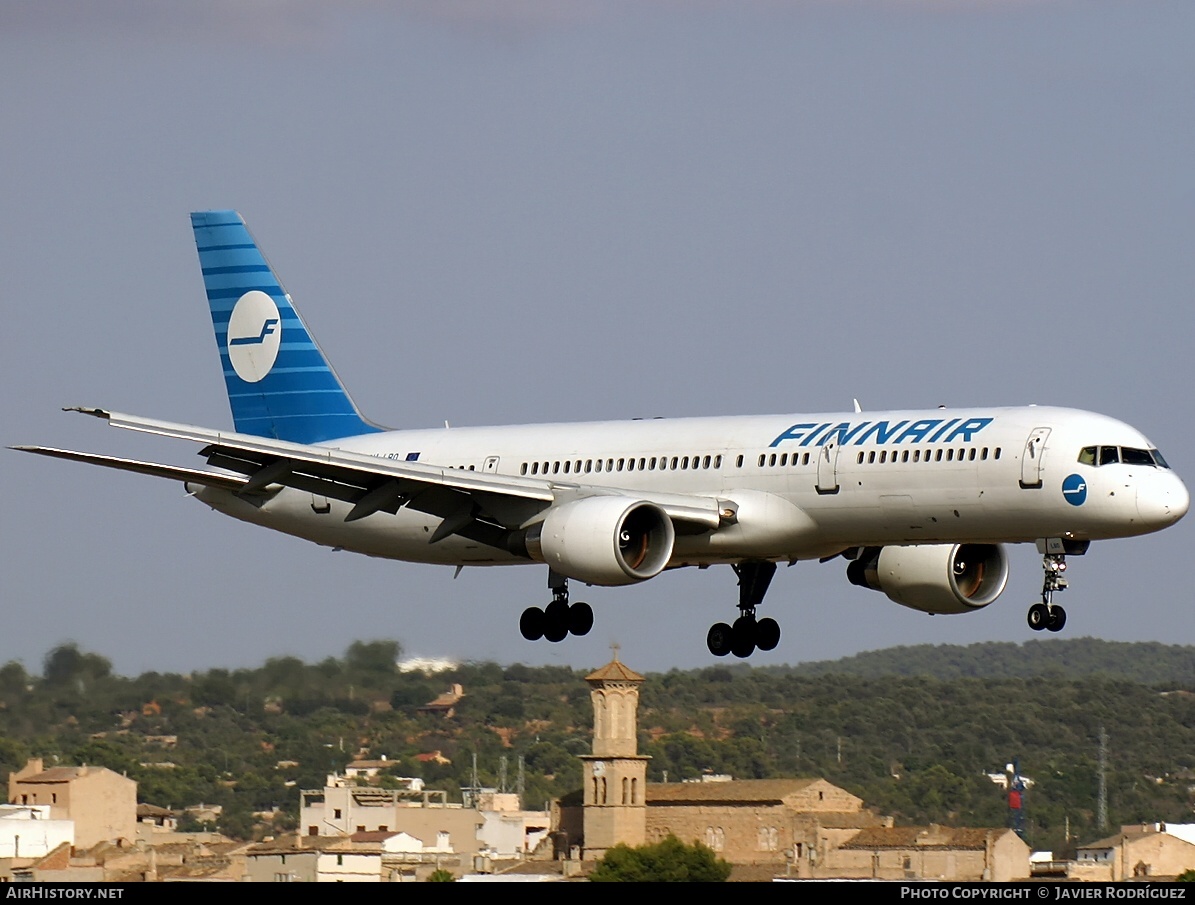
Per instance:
{"type": "Point", "coordinates": [1031, 459]}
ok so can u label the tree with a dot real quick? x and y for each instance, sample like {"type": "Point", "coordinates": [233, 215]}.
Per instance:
{"type": "Point", "coordinates": [13, 681]}
{"type": "Point", "coordinates": [373, 656]}
{"type": "Point", "coordinates": [668, 861]}
{"type": "Point", "coordinates": [67, 665]}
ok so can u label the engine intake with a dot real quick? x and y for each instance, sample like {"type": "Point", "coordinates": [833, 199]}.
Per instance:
{"type": "Point", "coordinates": [604, 540]}
{"type": "Point", "coordinates": [934, 578]}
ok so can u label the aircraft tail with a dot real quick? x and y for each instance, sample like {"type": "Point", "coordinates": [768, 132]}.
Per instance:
{"type": "Point", "coordinates": [279, 383]}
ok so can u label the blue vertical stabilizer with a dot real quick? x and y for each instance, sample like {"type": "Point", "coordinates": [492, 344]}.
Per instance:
{"type": "Point", "coordinates": [279, 382]}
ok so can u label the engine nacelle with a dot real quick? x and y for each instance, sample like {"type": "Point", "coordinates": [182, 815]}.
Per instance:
{"type": "Point", "coordinates": [604, 540]}
{"type": "Point", "coordinates": [934, 578]}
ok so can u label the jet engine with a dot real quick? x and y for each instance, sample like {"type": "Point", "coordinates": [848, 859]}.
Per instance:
{"type": "Point", "coordinates": [934, 578]}
{"type": "Point", "coordinates": [604, 540]}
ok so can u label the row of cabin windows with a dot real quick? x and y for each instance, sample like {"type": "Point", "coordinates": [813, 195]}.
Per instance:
{"type": "Point", "coordinates": [643, 463]}
{"type": "Point", "coordinates": [968, 454]}
{"type": "Point", "coordinates": [765, 460]}
{"type": "Point", "coordinates": [772, 460]}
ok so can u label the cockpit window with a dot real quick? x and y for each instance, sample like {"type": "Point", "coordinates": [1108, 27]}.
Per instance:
{"type": "Point", "coordinates": [1136, 457]}
{"type": "Point", "coordinates": [1111, 455]}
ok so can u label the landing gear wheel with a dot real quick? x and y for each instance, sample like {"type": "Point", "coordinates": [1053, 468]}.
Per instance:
{"type": "Point", "coordinates": [746, 634]}
{"type": "Point", "coordinates": [580, 618]}
{"type": "Point", "coordinates": [719, 638]}
{"type": "Point", "coordinates": [1045, 614]}
{"type": "Point", "coordinates": [1039, 616]}
{"type": "Point", "coordinates": [556, 620]}
{"type": "Point", "coordinates": [531, 623]}
{"type": "Point", "coordinates": [767, 634]}
{"type": "Point", "coordinates": [1057, 619]}
{"type": "Point", "coordinates": [743, 640]}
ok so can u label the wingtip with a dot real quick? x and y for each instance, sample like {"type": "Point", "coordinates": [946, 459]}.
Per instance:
{"type": "Point", "coordinates": [84, 410]}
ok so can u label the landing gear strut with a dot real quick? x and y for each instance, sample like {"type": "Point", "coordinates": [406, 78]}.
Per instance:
{"type": "Point", "coordinates": [1046, 615]}
{"type": "Point", "coordinates": [558, 619]}
{"type": "Point", "coordinates": [747, 634]}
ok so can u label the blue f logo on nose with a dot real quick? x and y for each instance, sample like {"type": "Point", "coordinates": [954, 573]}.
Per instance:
{"type": "Point", "coordinates": [266, 329]}
{"type": "Point", "coordinates": [1074, 490]}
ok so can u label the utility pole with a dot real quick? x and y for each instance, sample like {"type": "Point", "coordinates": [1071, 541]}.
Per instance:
{"type": "Point", "coordinates": [521, 782]}
{"type": "Point", "coordinates": [1101, 813]}
{"type": "Point", "coordinates": [472, 795]}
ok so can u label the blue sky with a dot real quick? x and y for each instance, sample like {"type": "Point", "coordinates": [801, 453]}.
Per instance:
{"type": "Point", "coordinates": [523, 212]}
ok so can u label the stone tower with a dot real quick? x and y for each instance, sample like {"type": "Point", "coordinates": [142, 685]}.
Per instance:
{"type": "Point", "coordinates": [614, 776]}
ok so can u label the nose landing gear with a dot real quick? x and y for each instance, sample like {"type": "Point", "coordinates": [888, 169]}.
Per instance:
{"type": "Point", "coordinates": [1046, 615]}
{"type": "Point", "coordinates": [558, 619]}
{"type": "Point", "coordinates": [747, 634]}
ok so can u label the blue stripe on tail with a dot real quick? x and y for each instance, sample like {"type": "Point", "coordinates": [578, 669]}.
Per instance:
{"type": "Point", "coordinates": [279, 383]}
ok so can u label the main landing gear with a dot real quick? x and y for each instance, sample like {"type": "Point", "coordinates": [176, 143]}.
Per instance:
{"type": "Point", "coordinates": [1046, 615]}
{"type": "Point", "coordinates": [558, 619]}
{"type": "Point", "coordinates": [742, 638]}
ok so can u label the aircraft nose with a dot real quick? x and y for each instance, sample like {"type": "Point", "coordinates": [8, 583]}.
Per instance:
{"type": "Point", "coordinates": [1162, 503]}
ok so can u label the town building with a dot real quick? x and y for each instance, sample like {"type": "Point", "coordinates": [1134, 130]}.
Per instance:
{"type": "Point", "coordinates": [370, 770]}
{"type": "Point", "coordinates": [790, 823]}
{"type": "Point", "coordinates": [29, 831]}
{"type": "Point", "coordinates": [344, 807]}
{"type": "Point", "coordinates": [1139, 851]}
{"type": "Point", "coordinates": [359, 858]}
{"type": "Point", "coordinates": [950, 854]}
{"type": "Point", "coordinates": [102, 804]}
{"type": "Point", "coordinates": [491, 825]}
{"type": "Point", "coordinates": [614, 777]}
{"type": "Point", "coordinates": [444, 704]}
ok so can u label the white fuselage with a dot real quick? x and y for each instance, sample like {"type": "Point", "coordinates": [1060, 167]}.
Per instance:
{"type": "Point", "coordinates": [802, 486]}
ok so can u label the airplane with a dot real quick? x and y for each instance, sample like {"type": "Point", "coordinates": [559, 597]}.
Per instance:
{"type": "Point", "coordinates": [920, 503]}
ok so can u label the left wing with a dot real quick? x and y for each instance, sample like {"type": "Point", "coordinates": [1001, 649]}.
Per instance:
{"type": "Point", "coordinates": [192, 475]}
{"type": "Point", "coordinates": [483, 506]}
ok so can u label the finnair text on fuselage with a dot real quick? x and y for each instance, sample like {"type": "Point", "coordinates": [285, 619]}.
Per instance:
{"type": "Point", "coordinates": [928, 430]}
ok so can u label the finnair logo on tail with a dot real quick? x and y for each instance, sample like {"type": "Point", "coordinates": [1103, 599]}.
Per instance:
{"type": "Point", "coordinates": [254, 335]}
{"type": "Point", "coordinates": [266, 329]}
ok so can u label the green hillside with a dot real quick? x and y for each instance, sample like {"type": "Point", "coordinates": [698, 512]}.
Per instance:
{"type": "Point", "coordinates": [914, 731]}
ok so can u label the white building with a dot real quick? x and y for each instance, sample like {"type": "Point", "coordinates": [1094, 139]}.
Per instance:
{"type": "Point", "coordinates": [509, 832]}
{"type": "Point", "coordinates": [343, 807]}
{"type": "Point", "coordinates": [26, 831]}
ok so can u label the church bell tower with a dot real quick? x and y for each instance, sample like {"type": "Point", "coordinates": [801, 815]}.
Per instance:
{"type": "Point", "coordinates": [615, 776]}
